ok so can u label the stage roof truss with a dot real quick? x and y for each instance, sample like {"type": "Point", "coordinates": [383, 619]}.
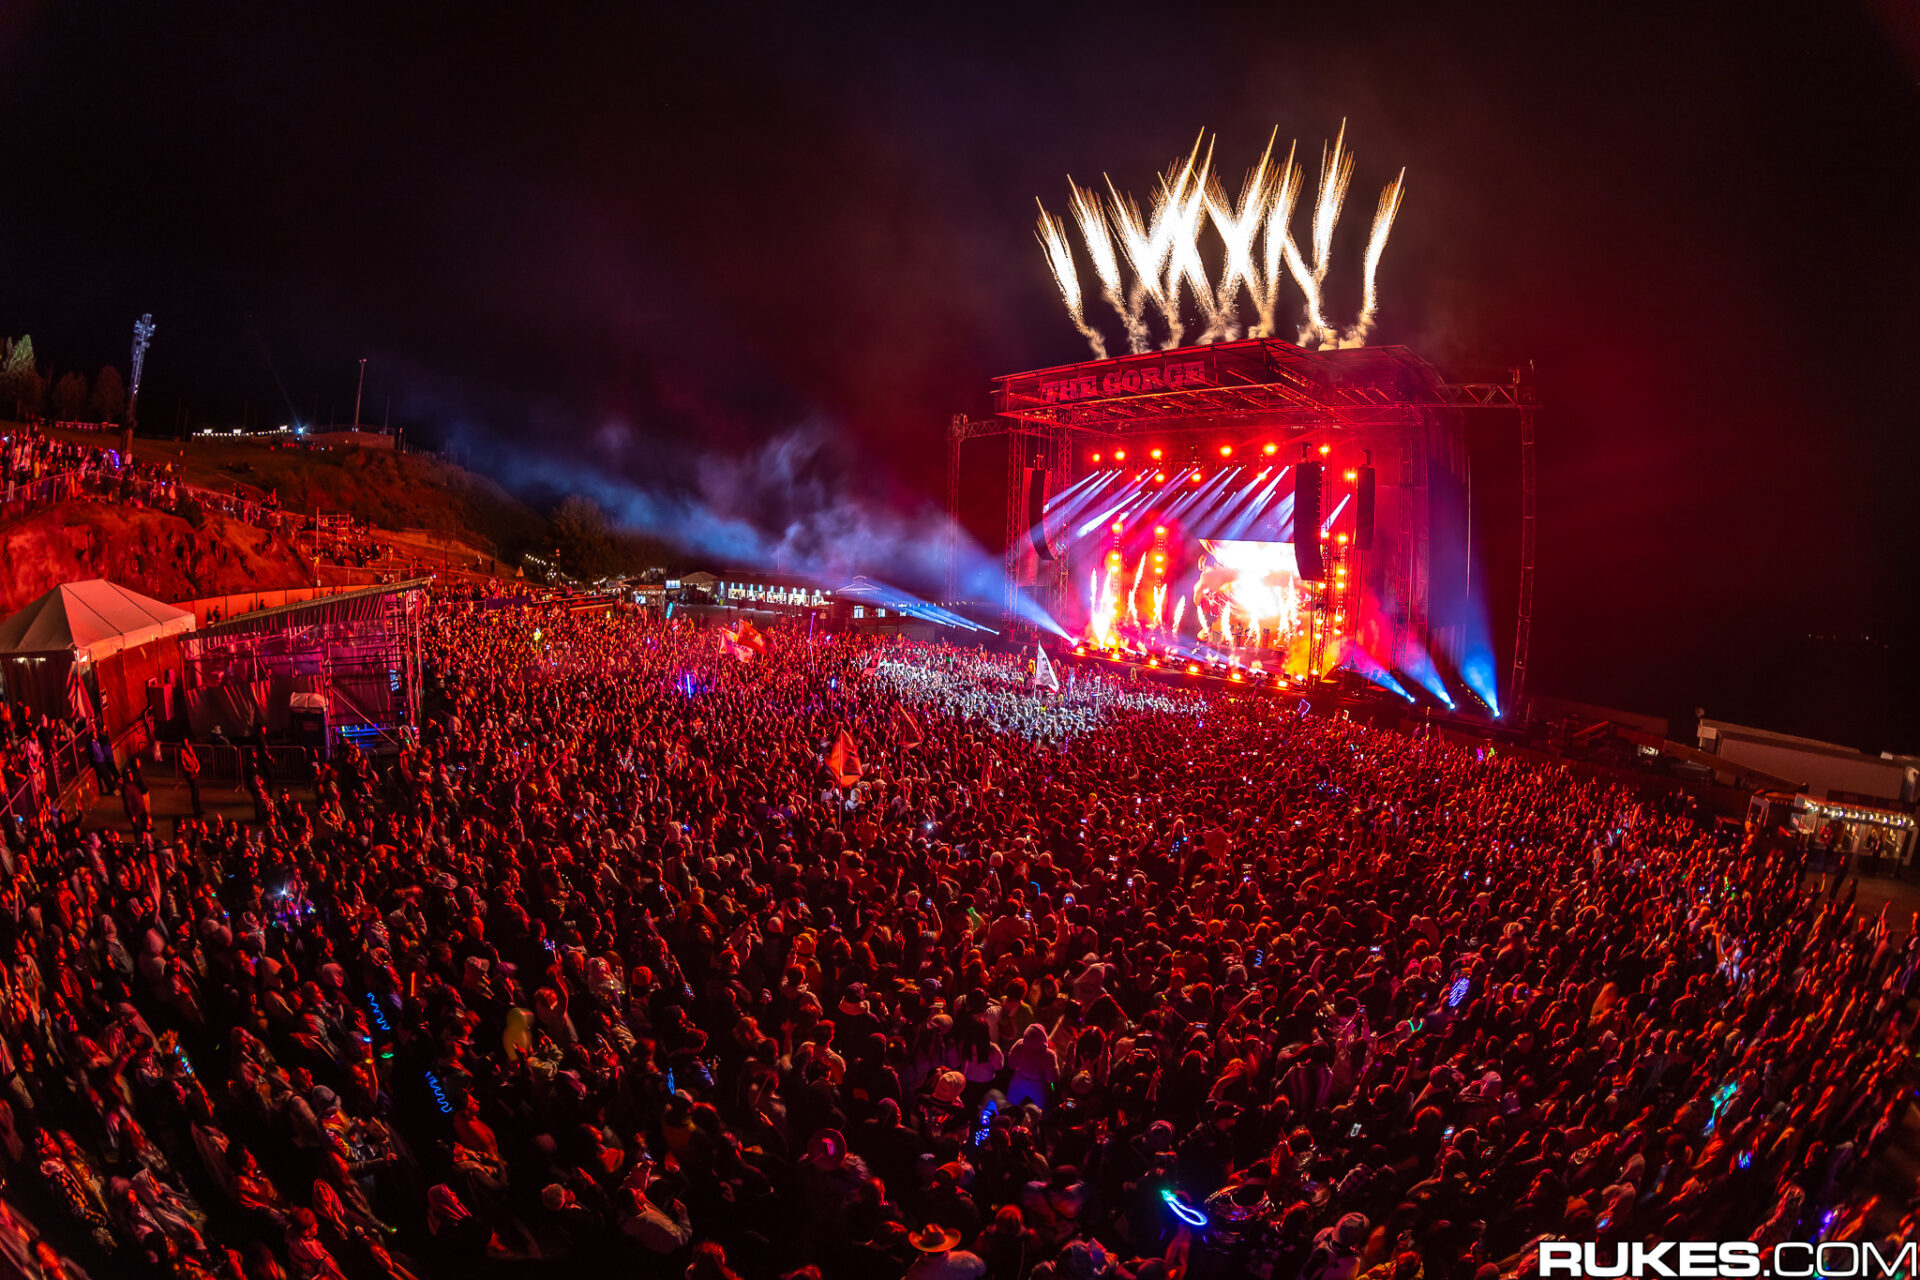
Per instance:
{"type": "Point", "coordinates": [1273, 382]}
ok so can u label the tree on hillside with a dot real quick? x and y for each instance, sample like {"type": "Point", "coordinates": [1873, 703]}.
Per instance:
{"type": "Point", "coordinates": [109, 395]}
{"type": "Point", "coordinates": [70, 397]}
{"type": "Point", "coordinates": [20, 383]}
{"type": "Point", "coordinates": [581, 537]}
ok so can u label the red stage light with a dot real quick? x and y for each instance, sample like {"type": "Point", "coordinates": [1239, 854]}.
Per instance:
{"type": "Point", "coordinates": [1226, 451]}
{"type": "Point", "coordinates": [1342, 539]}
{"type": "Point", "coordinates": [1160, 477]}
{"type": "Point", "coordinates": [1119, 527]}
{"type": "Point", "coordinates": [1096, 457]}
{"type": "Point", "coordinates": [1154, 454]}
{"type": "Point", "coordinates": [1153, 662]}
{"type": "Point", "coordinates": [1196, 477]}
{"type": "Point", "coordinates": [1271, 449]}
{"type": "Point", "coordinates": [1324, 535]}
{"type": "Point", "coordinates": [1235, 677]}
{"type": "Point", "coordinates": [1119, 455]}
{"type": "Point", "coordinates": [1160, 531]}
{"type": "Point", "coordinates": [1352, 476]}
{"type": "Point", "coordinates": [1193, 668]}
{"type": "Point", "coordinates": [1325, 449]}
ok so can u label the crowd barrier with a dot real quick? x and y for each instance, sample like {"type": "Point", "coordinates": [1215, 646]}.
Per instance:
{"type": "Point", "coordinates": [23, 497]}
{"type": "Point", "coordinates": [241, 603]}
{"type": "Point", "coordinates": [70, 763]}
{"type": "Point", "coordinates": [227, 764]}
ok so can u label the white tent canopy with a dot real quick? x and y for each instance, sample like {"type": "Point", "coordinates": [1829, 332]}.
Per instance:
{"type": "Point", "coordinates": [95, 618]}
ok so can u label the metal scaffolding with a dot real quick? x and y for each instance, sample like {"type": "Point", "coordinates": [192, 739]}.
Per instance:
{"type": "Point", "coordinates": [359, 650]}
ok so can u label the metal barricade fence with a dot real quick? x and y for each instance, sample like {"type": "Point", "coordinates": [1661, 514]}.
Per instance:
{"type": "Point", "coordinates": [227, 765]}
{"type": "Point", "coordinates": [69, 760]}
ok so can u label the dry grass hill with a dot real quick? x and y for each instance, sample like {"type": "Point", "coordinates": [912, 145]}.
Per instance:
{"type": "Point", "coordinates": [428, 504]}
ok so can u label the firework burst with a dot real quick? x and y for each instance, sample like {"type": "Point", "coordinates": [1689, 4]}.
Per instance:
{"type": "Point", "coordinates": [1162, 250]}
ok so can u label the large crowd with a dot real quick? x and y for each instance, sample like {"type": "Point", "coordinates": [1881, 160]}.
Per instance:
{"type": "Point", "coordinates": [622, 963]}
{"type": "Point", "coordinates": [1017, 698]}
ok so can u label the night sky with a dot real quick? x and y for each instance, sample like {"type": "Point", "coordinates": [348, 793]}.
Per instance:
{"type": "Point", "coordinates": [709, 228]}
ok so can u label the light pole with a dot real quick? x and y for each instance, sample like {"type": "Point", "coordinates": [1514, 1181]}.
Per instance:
{"type": "Point", "coordinates": [356, 393]}
{"type": "Point", "coordinates": [142, 335]}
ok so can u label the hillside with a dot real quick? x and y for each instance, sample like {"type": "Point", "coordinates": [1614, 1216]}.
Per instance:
{"type": "Point", "coordinates": [154, 553]}
{"type": "Point", "coordinates": [376, 486]}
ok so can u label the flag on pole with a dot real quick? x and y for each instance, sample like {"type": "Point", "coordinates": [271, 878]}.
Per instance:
{"type": "Point", "coordinates": [744, 641]}
{"type": "Point", "coordinates": [910, 735]}
{"type": "Point", "coordinates": [1043, 676]}
{"type": "Point", "coordinates": [843, 762]}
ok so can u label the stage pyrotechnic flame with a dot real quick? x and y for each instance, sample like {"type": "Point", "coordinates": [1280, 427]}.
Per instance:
{"type": "Point", "coordinates": [1162, 249]}
{"type": "Point", "coordinates": [1100, 624]}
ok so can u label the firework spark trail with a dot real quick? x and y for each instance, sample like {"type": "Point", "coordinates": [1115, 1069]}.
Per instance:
{"type": "Point", "coordinates": [1184, 263]}
{"type": "Point", "coordinates": [1159, 606]}
{"type": "Point", "coordinates": [1179, 612]}
{"type": "Point", "coordinates": [1237, 227]}
{"type": "Point", "coordinates": [1383, 216]}
{"type": "Point", "coordinates": [1336, 171]}
{"type": "Point", "coordinates": [1143, 244]}
{"type": "Point", "coordinates": [1289, 252]}
{"type": "Point", "coordinates": [1092, 220]}
{"type": "Point", "coordinates": [1053, 238]}
{"type": "Point", "coordinates": [1133, 594]}
{"type": "Point", "coordinates": [1283, 194]}
{"type": "Point", "coordinates": [1148, 246]}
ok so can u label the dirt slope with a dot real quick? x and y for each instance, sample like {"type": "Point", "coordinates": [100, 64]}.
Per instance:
{"type": "Point", "coordinates": [150, 552]}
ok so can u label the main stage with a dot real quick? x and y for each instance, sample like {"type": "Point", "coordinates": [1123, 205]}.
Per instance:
{"type": "Point", "coordinates": [1152, 503]}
